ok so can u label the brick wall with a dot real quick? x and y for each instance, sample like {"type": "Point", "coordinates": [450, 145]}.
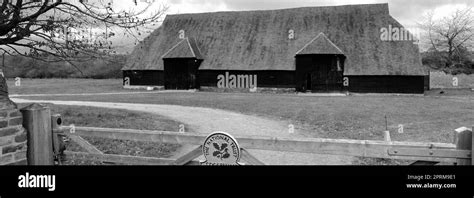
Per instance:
{"type": "Point", "coordinates": [12, 135]}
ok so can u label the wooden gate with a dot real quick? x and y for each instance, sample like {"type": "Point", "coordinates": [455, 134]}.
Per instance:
{"type": "Point", "coordinates": [44, 129]}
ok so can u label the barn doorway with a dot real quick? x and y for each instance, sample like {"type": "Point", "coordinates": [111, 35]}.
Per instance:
{"type": "Point", "coordinates": [320, 73]}
{"type": "Point", "coordinates": [181, 65]}
{"type": "Point", "coordinates": [319, 66]}
{"type": "Point", "coordinates": [180, 74]}
{"type": "Point", "coordinates": [326, 76]}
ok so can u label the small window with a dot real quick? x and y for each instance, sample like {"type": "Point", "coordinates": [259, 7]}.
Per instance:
{"type": "Point", "coordinates": [338, 65]}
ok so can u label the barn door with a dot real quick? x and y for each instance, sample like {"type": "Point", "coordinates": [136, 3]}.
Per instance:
{"type": "Point", "coordinates": [180, 74]}
{"type": "Point", "coordinates": [317, 82]}
{"type": "Point", "coordinates": [334, 75]}
{"type": "Point", "coordinates": [309, 83]}
{"type": "Point", "coordinates": [326, 75]}
{"type": "Point", "coordinates": [182, 80]}
{"type": "Point", "coordinates": [320, 74]}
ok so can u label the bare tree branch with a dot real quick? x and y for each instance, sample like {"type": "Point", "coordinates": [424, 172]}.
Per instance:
{"type": "Point", "coordinates": [450, 34]}
{"type": "Point", "coordinates": [68, 31]}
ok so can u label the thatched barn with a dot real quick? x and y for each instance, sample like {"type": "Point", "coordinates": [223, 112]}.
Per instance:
{"type": "Point", "coordinates": [321, 49]}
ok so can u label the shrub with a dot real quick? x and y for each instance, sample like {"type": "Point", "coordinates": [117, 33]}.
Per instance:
{"type": "Point", "coordinates": [19, 66]}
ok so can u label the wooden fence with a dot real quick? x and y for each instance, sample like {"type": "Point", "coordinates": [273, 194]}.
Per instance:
{"type": "Point", "coordinates": [45, 130]}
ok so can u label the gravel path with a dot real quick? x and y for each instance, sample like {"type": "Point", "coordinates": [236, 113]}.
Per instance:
{"type": "Point", "coordinates": [206, 120]}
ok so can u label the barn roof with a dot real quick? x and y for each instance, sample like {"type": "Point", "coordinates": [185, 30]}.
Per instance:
{"type": "Point", "coordinates": [320, 45]}
{"type": "Point", "coordinates": [186, 48]}
{"type": "Point", "coordinates": [258, 40]}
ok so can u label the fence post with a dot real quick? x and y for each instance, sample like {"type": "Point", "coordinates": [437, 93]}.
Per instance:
{"type": "Point", "coordinates": [386, 135]}
{"type": "Point", "coordinates": [464, 140]}
{"type": "Point", "coordinates": [37, 122]}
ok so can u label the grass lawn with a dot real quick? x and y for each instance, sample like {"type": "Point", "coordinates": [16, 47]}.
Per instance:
{"type": "Point", "coordinates": [429, 118]}
{"type": "Point", "coordinates": [442, 80]}
{"type": "Point", "coordinates": [356, 117]}
{"type": "Point", "coordinates": [113, 118]}
{"type": "Point", "coordinates": [65, 86]}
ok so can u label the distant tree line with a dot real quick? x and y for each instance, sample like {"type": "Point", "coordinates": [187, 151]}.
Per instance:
{"type": "Point", "coordinates": [435, 61]}
{"type": "Point", "coordinates": [98, 68]}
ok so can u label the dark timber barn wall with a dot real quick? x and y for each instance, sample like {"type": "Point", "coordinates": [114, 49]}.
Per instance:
{"type": "Point", "coordinates": [276, 79]}
{"type": "Point", "coordinates": [265, 78]}
{"type": "Point", "coordinates": [145, 77]}
{"type": "Point", "coordinates": [259, 43]}
{"type": "Point", "coordinates": [386, 84]}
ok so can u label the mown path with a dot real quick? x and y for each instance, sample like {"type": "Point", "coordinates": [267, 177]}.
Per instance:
{"type": "Point", "coordinates": [206, 120]}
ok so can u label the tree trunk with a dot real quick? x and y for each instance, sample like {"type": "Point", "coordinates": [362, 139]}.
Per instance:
{"type": "Point", "coordinates": [3, 86]}
{"type": "Point", "coordinates": [450, 53]}
{"type": "Point", "coordinates": [4, 99]}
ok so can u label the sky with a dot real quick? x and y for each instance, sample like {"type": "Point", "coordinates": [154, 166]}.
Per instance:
{"type": "Point", "coordinates": [407, 12]}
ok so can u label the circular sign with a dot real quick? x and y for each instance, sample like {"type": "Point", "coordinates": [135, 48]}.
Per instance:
{"type": "Point", "coordinates": [220, 148]}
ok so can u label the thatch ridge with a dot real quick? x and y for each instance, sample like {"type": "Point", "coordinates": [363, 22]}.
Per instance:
{"type": "Point", "coordinates": [258, 40]}
{"type": "Point", "coordinates": [287, 9]}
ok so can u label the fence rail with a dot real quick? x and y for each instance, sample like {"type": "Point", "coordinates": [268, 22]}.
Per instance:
{"type": "Point", "coordinates": [123, 159]}
{"type": "Point", "coordinates": [424, 153]}
{"type": "Point", "coordinates": [439, 152]}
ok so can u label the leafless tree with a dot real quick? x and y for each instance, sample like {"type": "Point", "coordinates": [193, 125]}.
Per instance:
{"type": "Point", "coordinates": [448, 36]}
{"type": "Point", "coordinates": [71, 30]}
